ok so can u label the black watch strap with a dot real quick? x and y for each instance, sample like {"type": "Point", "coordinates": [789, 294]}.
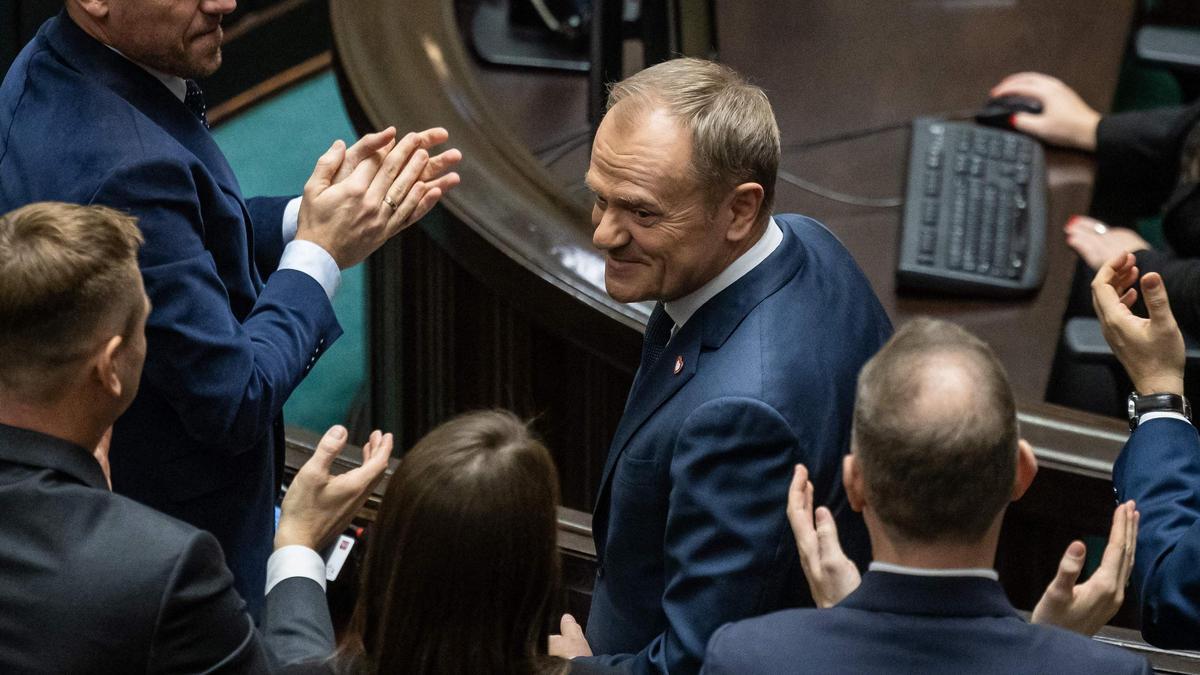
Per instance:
{"type": "Point", "coordinates": [1141, 404]}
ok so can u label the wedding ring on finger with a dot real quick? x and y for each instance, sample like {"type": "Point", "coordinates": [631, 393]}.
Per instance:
{"type": "Point", "coordinates": [388, 200]}
{"type": "Point", "coordinates": [1100, 228]}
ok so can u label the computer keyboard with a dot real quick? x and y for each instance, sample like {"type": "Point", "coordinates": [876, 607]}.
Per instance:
{"type": "Point", "coordinates": [975, 211]}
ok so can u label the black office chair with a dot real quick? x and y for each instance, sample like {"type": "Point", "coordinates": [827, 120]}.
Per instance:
{"type": "Point", "coordinates": [1168, 36]}
{"type": "Point", "coordinates": [1093, 362]}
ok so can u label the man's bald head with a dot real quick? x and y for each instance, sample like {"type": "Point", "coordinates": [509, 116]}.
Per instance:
{"type": "Point", "coordinates": [935, 434]}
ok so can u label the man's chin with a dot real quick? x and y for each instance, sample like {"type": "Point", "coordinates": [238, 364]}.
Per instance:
{"type": "Point", "coordinates": [206, 65]}
{"type": "Point", "coordinates": [197, 65]}
{"type": "Point", "coordinates": [624, 294]}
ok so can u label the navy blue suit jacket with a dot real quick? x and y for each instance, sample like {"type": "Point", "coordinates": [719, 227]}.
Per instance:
{"type": "Point", "coordinates": [690, 522]}
{"type": "Point", "coordinates": [895, 623]}
{"type": "Point", "coordinates": [1159, 468]}
{"type": "Point", "coordinates": [79, 123]}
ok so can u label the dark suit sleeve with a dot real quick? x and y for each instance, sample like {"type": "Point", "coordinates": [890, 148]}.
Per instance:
{"type": "Point", "coordinates": [726, 528]}
{"type": "Point", "coordinates": [202, 624]}
{"type": "Point", "coordinates": [226, 378]}
{"type": "Point", "coordinates": [296, 625]}
{"type": "Point", "coordinates": [1159, 468]}
{"type": "Point", "coordinates": [267, 215]}
{"type": "Point", "coordinates": [1137, 160]}
{"type": "Point", "coordinates": [714, 657]}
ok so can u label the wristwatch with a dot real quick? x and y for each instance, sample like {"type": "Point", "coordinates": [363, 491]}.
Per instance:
{"type": "Point", "coordinates": [1148, 403]}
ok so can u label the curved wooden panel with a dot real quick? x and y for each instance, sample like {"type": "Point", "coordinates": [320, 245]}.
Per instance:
{"type": "Point", "coordinates": [406, 65]}
{"type": "Point", "coordinates": [500, 300]}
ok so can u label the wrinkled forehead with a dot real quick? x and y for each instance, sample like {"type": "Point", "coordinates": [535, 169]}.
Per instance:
{"type": "Point", "coordinates": [645, 146]}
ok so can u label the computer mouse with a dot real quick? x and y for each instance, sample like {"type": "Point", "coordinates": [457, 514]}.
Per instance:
{"type": "Point", "coordinates": [998, 112]}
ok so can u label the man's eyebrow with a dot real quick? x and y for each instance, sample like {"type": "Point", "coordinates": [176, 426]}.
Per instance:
{"type": "Point", "coordinates": [624, 200]}
{"type": "Point", "coordinates": [631, 202]}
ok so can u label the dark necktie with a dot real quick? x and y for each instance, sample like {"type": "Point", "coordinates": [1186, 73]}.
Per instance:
{"type": "Point", "coordinates": [194, 100]}
{"type": "Point", "coordinates": [658, 332]}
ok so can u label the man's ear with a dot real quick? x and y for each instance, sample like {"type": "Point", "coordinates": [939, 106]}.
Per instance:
{"type": "Point", "coordinates": [106, 366]}
{"type": "Point", "coordinates": [96, 9]}
{"type": "Point", "coordinates": [1027, 468]}
{"type": "Point", "coordinates": [852, 479]}
{"type": "Point", "coordinates": [744, 204]}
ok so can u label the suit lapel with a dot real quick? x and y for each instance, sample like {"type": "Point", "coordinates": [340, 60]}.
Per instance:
{"type": "Point", "coordinates": [708, 329]}
{"type": "Point", "coordinates": [654, 388]}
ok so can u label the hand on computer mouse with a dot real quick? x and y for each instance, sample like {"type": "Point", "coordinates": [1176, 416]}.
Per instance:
{"type": "Point", "coordinates": [1065, 119]}
{"type": "Point", "coordinates": [1002, 111]}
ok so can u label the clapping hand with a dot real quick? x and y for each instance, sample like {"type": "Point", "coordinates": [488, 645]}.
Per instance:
{"type": "Point", "coordinates": [831, 575]}
{"type": "Point", "coordinates": [359, 197]}
{"type": "Point", "coordinates": [376, 147]}
{"type": "Point", "coordinates": [319, 505]}
{"type": "Point", "coordinates": [1085, 608]}
{"type": "Point", "coordinates": [1151, 350]}
{"type": "Point", "coordinates": [570, 643]}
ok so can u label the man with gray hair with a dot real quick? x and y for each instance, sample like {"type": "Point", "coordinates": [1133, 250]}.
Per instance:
{"type": "Point", "coordinates": [759, 328]}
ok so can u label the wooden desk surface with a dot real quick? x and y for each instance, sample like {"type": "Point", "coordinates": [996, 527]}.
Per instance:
{"type": "Point", "coordinates": [832, 67]}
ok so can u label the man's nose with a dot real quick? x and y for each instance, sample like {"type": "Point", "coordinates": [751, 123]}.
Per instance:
{"type": "Point", "coordinates": [221, 7]}
{"type": "Point", "coordinates": [609, 233]}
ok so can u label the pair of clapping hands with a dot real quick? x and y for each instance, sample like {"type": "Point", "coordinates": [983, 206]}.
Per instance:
{"type": "Point", "coordinates": [356, 199]}
{"type": "Point", "coordinates": [359, 197]}
{"type": "Point", "coordinates": [1152, 352]}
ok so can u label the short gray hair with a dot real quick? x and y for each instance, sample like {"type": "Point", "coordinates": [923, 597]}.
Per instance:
{"type": "Point", "coordinates": [735, 138]}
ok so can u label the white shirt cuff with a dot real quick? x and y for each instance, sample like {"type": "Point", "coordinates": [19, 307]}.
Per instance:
{"type": "Point", "coordinates": [295, 561]}
{"type": "Point", "coordinates": [305, 256]}
{"type": "Point", "coordinates": [291, 220]}
{"type": "Point", "coordinates": [1164, 414]}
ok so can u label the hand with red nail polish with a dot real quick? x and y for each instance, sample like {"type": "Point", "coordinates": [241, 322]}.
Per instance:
{"type": "Point", "coordinates": [1065, 119]}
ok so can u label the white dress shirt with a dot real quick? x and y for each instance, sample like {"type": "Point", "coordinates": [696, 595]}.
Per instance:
{"type": "Point", "coordinates": [302, 256]}
{"type": "Point", "coordinates": [682, 309]}
{"type": "Point", "coordinates": [981, 572]}
{"type": "Point", "coordinates": [1162, 415]}
{"type": "Point", "coordinates": [294, 561]}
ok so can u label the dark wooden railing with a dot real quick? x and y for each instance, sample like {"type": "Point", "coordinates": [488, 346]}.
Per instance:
{"type": "Point", "coordinates": [579, 556]}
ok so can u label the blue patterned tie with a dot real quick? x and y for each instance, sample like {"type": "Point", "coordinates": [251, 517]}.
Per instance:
{"type": "Point", "coordinates": [658, 332]}
{"type": "Point", "coordinates": [194, 100]}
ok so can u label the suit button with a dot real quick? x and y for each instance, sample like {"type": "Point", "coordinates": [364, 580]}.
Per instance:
{"type": "Point", "coordinates": [600, 572]}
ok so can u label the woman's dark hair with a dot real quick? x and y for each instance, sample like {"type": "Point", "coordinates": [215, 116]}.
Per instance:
{"type": "Point", "coordinates": [462, 567]}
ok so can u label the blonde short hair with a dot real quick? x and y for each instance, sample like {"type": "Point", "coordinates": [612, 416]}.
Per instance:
{"type": "Point", "coordinates": [65, 271]}
{"type": "Point", "coordinates": [735, 138]}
